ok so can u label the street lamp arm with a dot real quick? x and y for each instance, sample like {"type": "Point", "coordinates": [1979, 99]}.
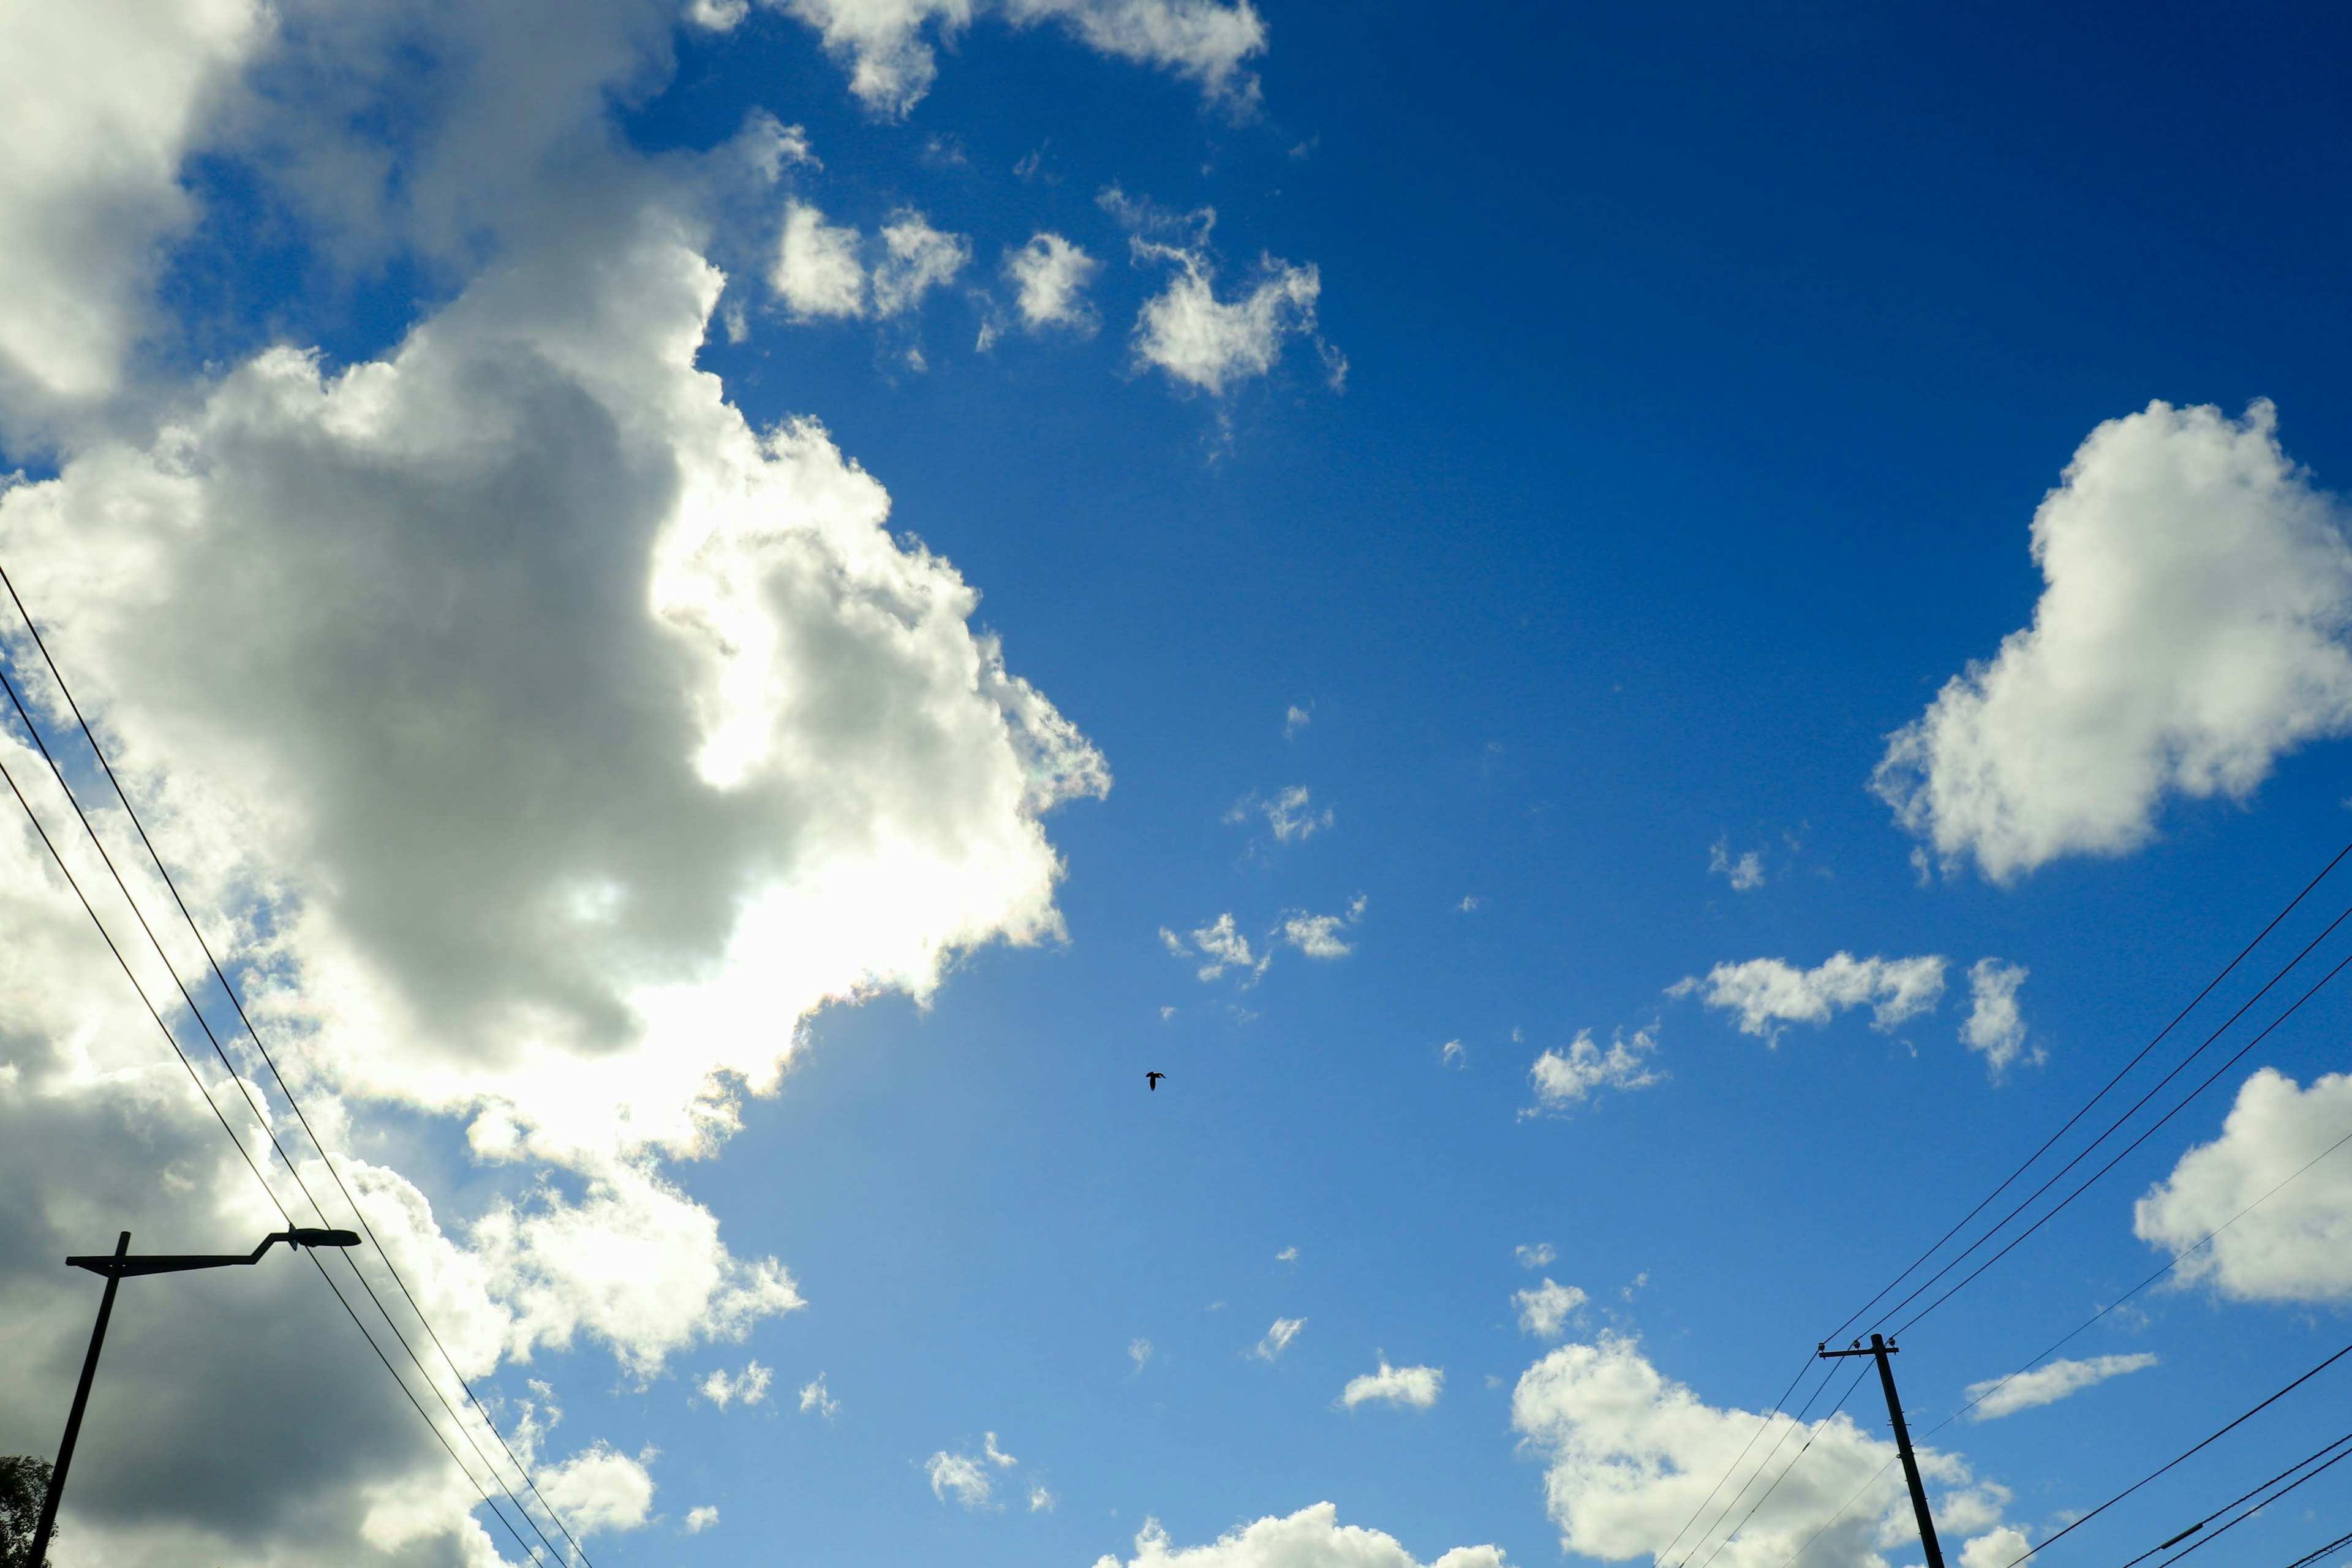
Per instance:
{"type": "Point", "coordinates": [123, 1267]}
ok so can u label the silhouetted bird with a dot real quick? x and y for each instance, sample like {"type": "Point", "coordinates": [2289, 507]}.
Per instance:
{"type": "Point", "coordinates": [1152, 1078]}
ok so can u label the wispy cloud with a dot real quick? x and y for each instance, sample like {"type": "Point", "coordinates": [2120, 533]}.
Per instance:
{"type": "Point", "coordinates": [1769, 993]}
{"type": "Point", "coordinates": [1415, 1387]}
{"type": "Point", "coordinates": [1277, 1338]}
{"type": "Point", "coordinates": [2047, 1385]}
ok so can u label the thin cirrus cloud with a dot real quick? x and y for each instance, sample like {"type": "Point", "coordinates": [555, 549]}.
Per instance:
{"type": "Point", "coordinates": [1277, 1338]}
{"type": "Point", "coordinates": [2047, 1385]}
{"type": "Point", "coordinates": [1629, 1453]}
{"type": "Point", "coordinates": [1290, 813]}
{"type": "Point", "coordinates": [2279, 1148]}
{"type": "Point", "coordinates": [2191, 630]}
{"type": "Point", "coordinates": [1769, 993]}
{"type": "Point", "coordinates": [887, 45]}
{"type": "Point", "coordinates": [1407, 1387]}
{"type": "Point", "coordinates": [1312, 1538]}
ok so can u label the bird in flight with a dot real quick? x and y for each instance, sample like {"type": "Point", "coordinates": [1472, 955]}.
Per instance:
{"type": "Point", "coordinates": [1152, 1079]}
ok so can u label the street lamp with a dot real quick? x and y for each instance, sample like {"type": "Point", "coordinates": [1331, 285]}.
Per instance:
{"type": "Point", "coordinates": [118, 1267]}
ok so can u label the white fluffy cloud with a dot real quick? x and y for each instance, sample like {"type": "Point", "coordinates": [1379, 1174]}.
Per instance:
{"type": "Point", "coordinates": [887, 44]}
{"type": "Point", "coordinates": [1631, 1456]}
{"type": "Point", "coordinates": [1994, 1024]}
{"type": "Point", "coordinates": [815, 1401]}
{"type": "Point", "coordinates": [1050, 276]}
{"type": "Point", "coordinates": [98, 104]}
{"type": "Point", "coordinates": [1186, 332]}
{"type": "Point", "coordinates": [1565, 1079]}
{"type": "Point", "coordinates": [1767, 993]}
{"type": "Point", "coordinates": [2297, 1246]}
{"type": "Point", "coordinates": [1744, 871]}
{"type": "Point", "coordinates": [2191, 629]}
{"type": "Point", "coordinates": [1312, 1538]}
{"type": "Point", "coordinates": [1544, 1310]}
{"type": "Point", "coordinates": [818, 270]}
{"type": "Point", "coordinates": [1277, 1338]}
{"type": "Point", "coordinates": [2048, 1384]}
{"type": "Point", "coordinates": [1413, 1388]}
{"type": "Point", "coordinates": [962, 1474]}
{"type": "Point", "coordinates": [749, 1386]}
{"type": "Point", "coordinates": [1222, 944]}
{"type": "Point", "coordinates": [542, 744]}
{"type": "Point", "coordinates": [1536, 1255]}
{"type": "Point", "coordinates": [1319, 936]}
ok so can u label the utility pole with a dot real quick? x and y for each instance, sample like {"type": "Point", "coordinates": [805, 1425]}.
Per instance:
{"type": "Point", "coordinates": [1879, 1347]}
{"type": "Point", "coordinates": [114, 1268]}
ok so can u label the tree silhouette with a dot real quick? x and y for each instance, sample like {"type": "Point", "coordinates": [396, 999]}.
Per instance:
{"type": "Point", "coordinates": [24, 1484]}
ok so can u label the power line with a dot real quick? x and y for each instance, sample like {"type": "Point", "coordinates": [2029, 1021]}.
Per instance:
{"type": "Point", "coordinates": [98, 751]}
{"type": "Point", "coordinates": [2178, 1259]}
{"type": "Point", "coordinates": [2009, 1181]}
{"type": "Point", "coordinates": [246, 1092]}
{"type": "Point", "coordinates": [2242, 1496]}
{"type": "Point", "coordinates": [2116, 1126]}
{"type": "Point", "coordinates": [2310, 1557]}
{"type": "Point", "coordinates": [2211, 1080]}
{"type": "Point", "coordinates": [2196, 1447]}
{"type": "Point", "coordinates": [1761, 1464]}
{"type": "Point", "coordinates": [267, 1191]}
{"type": "Point", "coordinates": [1819, 1428]}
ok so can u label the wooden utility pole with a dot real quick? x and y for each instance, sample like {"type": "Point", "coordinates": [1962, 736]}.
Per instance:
{"type": "Point", "coordinates": [1879, 1348]}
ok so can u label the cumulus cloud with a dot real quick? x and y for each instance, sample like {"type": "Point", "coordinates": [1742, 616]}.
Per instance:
{"type": "Point", "coordinates": [698, 1519]}
{"type": "Point", "coordinates": [1744, 871]}
{"type": "Point", "coordinates": [1291, 814]}
{"type": "Point", "coordinates": [1767, 993]}
{"type": "Point", "coordinates": [1994, 1025]}
{"type": "Point", "coordinates": [1222, 943]}
{"type": "Point", "coordinates": [1631, 1455]}
{"type": "Point", "coordinates": [2048, 1384]}
{"type": "Point", "coordinates": [540, 744]}
{"type": "Point", "coordinates": [815, 1400]}
{"type": "Point", "coordinates": [1537, 1255]}
{"type": "Point", "coordinates": [1277, 1338]}
{"type": "Point", "coordinates": [749, 1386]}
{"type": "Point", "coordinates": [1319, 936]}
{"type": "Point", "coordinates": [2298, 1246]}
{"type": "Point", "coordinates": [1414, 1387]}
{"type": "Point", "coordinates": [2191, 630]}
{"type": "Point", "coordinates": [1189, 334]}
{"type": "Point", "coordinates": [1139, 1351]}
{"type": "Point", "coordinates": [1050, 276]}
{"type": "Point", "coordinates": [888, 44]}
{"type": "Point", "coordinates": [1543, 1310]}
{"type": "Point", "coordinates": [962, 1474]}
{"type": "Point", "coordinates": [1312, 1538]}
{"type": "Point", "coordinates": [1296, 720]}
{"type": "Point", "coordinates": [1567, 1078]}
{"type": "Point", "coordinates": [99, 105]}
{"type": "Point", "coordinates": [1041, 1501]}
{"type": "Point", "coordinates": [818, 270]}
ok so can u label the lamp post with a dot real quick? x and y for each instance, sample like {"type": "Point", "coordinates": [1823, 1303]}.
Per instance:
{"type": "Point", "coordinates": [117, 1266]}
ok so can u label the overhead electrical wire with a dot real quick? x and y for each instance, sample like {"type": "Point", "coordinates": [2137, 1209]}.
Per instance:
{"type": "Point", "coordinates": [260, 1117]}
{"type": "Point", "coordinates": [2122, 1072]}
{"type": "Point", "coordinates": [2211, 1080]}
{"type": "Point", "coordinates": [2196, 1447]}
{"type": "Point", "coordinates": [131, 811]}
{"type": "Point", "coordinates": [1761, 1464]}
{"type": "Point", "coordinates": [2207, 1538]}
{"type": "Point", "coordinates": [214, 1106]}
{"type": "Point", "coordinates": [2310, 1557]}
{"type": "Point", "coordinates": [2023, 1166]}
{"type": "Point", "coordinates": [2117, 1125]}
{"type": "Point", "coordinates": [1859, 1373]}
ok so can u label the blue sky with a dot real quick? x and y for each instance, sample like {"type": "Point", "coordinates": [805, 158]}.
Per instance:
{"type": "Point", "coordinates": [1651, 424]}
